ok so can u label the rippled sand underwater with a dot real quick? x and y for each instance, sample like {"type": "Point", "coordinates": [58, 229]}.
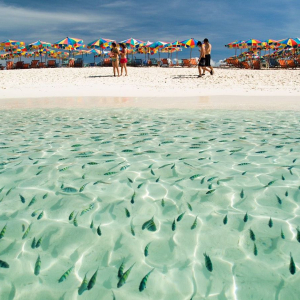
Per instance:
{"type": "Point", "coordinates": [206, 179]}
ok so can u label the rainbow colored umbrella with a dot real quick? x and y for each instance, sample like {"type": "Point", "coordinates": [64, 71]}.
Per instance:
{"type": "Point", "coordinates": [38, 45]}
{"type": "Point", "coordinates": [132, 42]}
{"type": "Point", "coordinates": [190, 43]}
{"type": "Point", "coordinates": [12, 44]}
{"type": "Point", "coordinates": [289, 42]}
{"type": "Point", "coordinates": [100, 43]}
{"type": "Point", "coordinates": [252, 42]}
{"type": "Point", "coordinates": [68, 42]}
{"type": "Point", "coordinates": [96, 52]}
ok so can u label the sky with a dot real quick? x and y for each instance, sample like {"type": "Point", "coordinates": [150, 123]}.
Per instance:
{"type": "Point", "coordinates": [221, 21]}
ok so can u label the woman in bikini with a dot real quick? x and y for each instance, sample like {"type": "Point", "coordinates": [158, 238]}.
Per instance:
{"type": "Point", "coordinates": [115, 58]}
{"type": "Point", "coordinates": [123, 60]}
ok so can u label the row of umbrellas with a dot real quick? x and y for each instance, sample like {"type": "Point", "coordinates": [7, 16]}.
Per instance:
{"type": "Point", "coordinates": [264, 45]}
{"type": "Point", "coordinates": [96, 47]}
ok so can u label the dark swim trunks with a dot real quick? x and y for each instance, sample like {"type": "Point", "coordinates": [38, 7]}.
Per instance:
{"type": "Point", "coordinates": [202, 62]}
{"type": "Point", "coordinates": [207, 60]}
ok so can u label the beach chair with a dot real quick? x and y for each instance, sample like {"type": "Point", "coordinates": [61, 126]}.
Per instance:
{"type": "Point", "coordinates": [51, 64]}
{"type": "Point", "coordinates": [256, 65]}
{"type": "Point", "coordinates": [179, 63]}
{"type": "Point", "coordinates": [1, 67]}
{"type": "Point", "coordinates": [137, 62]}
{"type": "Point", "coordinates": [282, 63]}
{"type": "Point", "coordinates": [78, 63]}
{"type": "Point", "coordinates": [164, 62]}
{"type": "Point", "coordinates": [107, 62]}
{"type": "Point", "coordinates": [236, 63]}
{"type": "Point", "coordinates": [273, 63]}
{"type": "Point", "coordinates": [26, 66]}
{"type": "Point", "coordinates": [193, 63]}
{"type": "Point", "coordinates": [245, 65]}
{"type": "Point", "coordinates": [186, 63]}
{"type": "Point", "coordinates": [41, 65]}
{"type": "Point", "coordinates": [291, 64]}
{"type": "Point", "coordinates": [9, 65]}
{"type": "Point", "coordinates": [34, 64]}
{"type": "Point", "coordinates": [65, 62]}
{"type": "Point", "coordinates": [19, 65]}
{"type": "Point", "coordinates": [153, 62]}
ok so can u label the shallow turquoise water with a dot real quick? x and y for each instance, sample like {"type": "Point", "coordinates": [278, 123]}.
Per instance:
{"type": "Point", "coordinates": [97, 163]}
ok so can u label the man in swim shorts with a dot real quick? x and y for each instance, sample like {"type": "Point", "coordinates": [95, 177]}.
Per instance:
{"type": "Point", "coordinates": [201, 64]}
{"type": "Point", "coordinates": [207, 50]}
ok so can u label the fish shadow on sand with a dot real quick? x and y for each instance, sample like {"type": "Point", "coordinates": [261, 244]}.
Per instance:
{"type": "Point", "coordinates": [102, 76]}
{"type": "Point", "coordinates": [184, 76]}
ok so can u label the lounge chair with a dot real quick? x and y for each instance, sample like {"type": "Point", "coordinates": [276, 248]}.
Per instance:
{"type": "Point", "coordinates": [193, 63]}
{"type": "Point", "coordinates": [179, 63]}
{"type": "Point", "coordinates": [256, 65]}
{"type": "Point", "coordinates": [19, 65]}
{"type": "Point", "coordinates": [282, 63]}
{"type": "Point", "coordinates": [51, 64]}
{"type": "Point", "coordinates": [137, 62]}
{"type": "Point", "coordinates": [26, 66]}
{"type": "Point", "coordinates": [236, 63]}
{"type": "Point", "coordinates": [65, 62]}
{"type": "Point", "coordinates": [245, 65]}
{"type": "Point", "coordinates": [164, 62]}
{"type": "Point", "coordinates": [107, 62]}
{"type": "Point", "coordinates": [41, 64]}
{"type": "Point", "coordinates": [273, 63]}
{"type": "Point", "coordinates": [78, 63]}
{"type": "Point", "coordinates": [34, 64]}
{"type": "Point", "coordinates": [291, 64]}
{"type": "Point", "coordinates": [1, 67]}
{"type": "Point", "coordinates": [153, 62]}
{"type": "Point", "coordinates": [186, 63]}
{"type": "Point", "coordinates": [9, 65]}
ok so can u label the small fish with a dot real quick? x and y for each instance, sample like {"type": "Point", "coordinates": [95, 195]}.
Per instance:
{"type": "Point", "coordinates": [83, 176]}
{"type": "Point", "coordinates": [210, 192]}
{"type": "Point", "coordinates": [174, 225]}
{"type": "Point", "coordinates": [162, 202]}
{"type": "Point", "coordinates": [132, 198]}
{"type": "Point", "coordinates": [92, 281]}
{"type": "Point", "coordinates": [157, 179]}
{"type": "Point", "coordinates": [110, 173]}
{"type": "Point", "coordinates": [242, 194]}
{"type": "Point", "coordinates": [292, 267]}
{"type": "Point", "coordinates": [40, 215]}
{"type": "Point", "coordinates": [65, 275]}
{"type": "Point", "coordinates": [140, 185]}
{"type": "Point", "coordinates": [127, 213]}
{"type": "Point", "coordinates": [144, 281]}
{"type": "Point", "coordinates": [26, 232]}
{"type": "Point", "coordinates": [210, 186]}
{"type": "Point", "coordinates": [189, 206]}
{"type": "Point", "coordinates": [282, 234]}
{"type": "Point", "coordinates": [270, 223]}
{"type": "Point", "coordinates": [99, 231]}
{"type": "Point", "coordinates": [270, 183]}
{"type": "Point", "coordinates": [152, 172]}
{"type": "Point", "coordinates": [211, 179]}
{"type": "Point", "coordinates": [37, 266]}
{"type": "Point", "coordinates": [33, 200]}
{"type": "Point", "coordinates": [225, 220]}
{"type": "Point", "coordinates": [194, 224]}
{"type": "Point", "coordinates": [92, 163]}
{"type": "Point", "coordinates": [282, 177]}
{"type": "Point", "coordinates": [75, 222]}
{"type": "Point", "coordinates": [4, 264]}
{"type": "Point", "coordinates": [252, 235]}
{"type": "Point", "coordinates": [83, 166]}
{"type": "Point", "coordinates": [22, 198]}
{"type": "Point", "coordinates": [202, 180]}
{"type": "Point", "coordinates": [149, 225]}
{"type": "Point", "coordinates": [92, 224]}
{"type": "Point", "coordinates": [39, 242]}
{"type": "Point", "coordinates": [179, 218]}
{"type": "Point", "coordinates": [279, 200]}
{"type": "Point", "coordinates": [208, 263]}
{"type": "Point", "coordinates": [124, 167]}
{"type": "Point", "coordinates": [244, 173]}
{"type": "Point", "coordinates": [83, 286]}
{"type": "Point", "coordinates": [64, 169]}
{"type": "Point", "coordinates": [286, 193]}
{"type": "Point", "coordinates": [69, 190]}
{"type": "Point", "coordinates": [132, 230]}
{"type": "Point", "coordinates": [71, 215]}
{"type": "Point", "coordinates": [124, 277]}
{"type": "Point", "coordinates": [35, 213]}
{"type": "Point", "coordinates": [2, 233]}
{"type": "Point", "coordinates": [164, 166]}
{"type": "Point", "coordinates": [173, 167]}
{"type": "Point", "coordinates": [246, 217]}
{"type": "Point", "coordinates": [298, 234]}
{"type": "Point", "coordinates": [45, 196]}
{"type": "Point", "coordinates": [121, 269]}
{"type": "Point", "coordinates": [83, 187]}
{"type": "Point", "coordinates": [195, 176]}
{"type": "Point", "coordinates": [255, 250]}
{"type": "Point", "coordinates": [8, 192]}
{"type": "Point", "coordinates": [129, 180]}
{"type": "Point", "coordinates": [150, 166]}
{"type": "Point", "coordinates": [91, 206]}
{"type": "Point", "coordinates": [146, 250]}
{"type": "Point", "coordinates": [23, 227]}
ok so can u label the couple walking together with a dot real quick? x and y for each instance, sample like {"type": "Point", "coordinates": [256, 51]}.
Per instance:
{"type": "Point", "coordinates": [205, 57]}
{"type": "Point", "coordinates": [115, 53]}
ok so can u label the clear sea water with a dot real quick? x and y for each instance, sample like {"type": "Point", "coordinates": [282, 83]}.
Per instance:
{"type": "Point", "coordinates": [118, 169]}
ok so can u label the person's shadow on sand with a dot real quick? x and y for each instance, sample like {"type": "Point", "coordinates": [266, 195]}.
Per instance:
{"type": "Point", "coordinates": [184, 76]}
{"type": "Point", "coordinates": [100, 76]}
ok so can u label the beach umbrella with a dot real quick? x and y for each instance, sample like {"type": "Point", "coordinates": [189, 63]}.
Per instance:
{"type": "Point", "coordinates": [100, 43]}
{"type": "Point", "coordinates": [190, 43]}
{"type": "Point", "coordinates": [38, 45]}
{"type": "Point", "coordinates": [68, 42]}
{"type": "Point", "coordinates": [156, 46]}
{"type": "Point", "coordinates": [95, 52]}
{"type": "Point", "coordinates": [131, 42]}
{"type": "Point", "coordinates": [289, 42]}
{"type": "Point", "coordinates": [10, 45]}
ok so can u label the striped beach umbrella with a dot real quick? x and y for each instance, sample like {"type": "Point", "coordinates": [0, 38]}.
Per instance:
{"type": "Point", "coordinates": [38, 45]}
{"type": "Point", "coordinates": [100, 43]}
{"type": "Point", "coordinates": [12, 44]}
{"type": "Point", "coordinates": [132, 42]}
{"type": "Point", "coordinates": [289, 43]}
{"type": "Point", "coordinates": [68, 42]}
{"type": "Point", "coordinates": [252, 42]}
{"type": "Point", "coordinates": [190, 43]}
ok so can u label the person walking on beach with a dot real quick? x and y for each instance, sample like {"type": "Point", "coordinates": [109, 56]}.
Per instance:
{"type": "Point", "coordinates": [207, 50]}
{"type": "Point", "coordinates": [115, 58]}
{"type": "Point", "coordinates": [201, 58]}
{"type": "Point", "coordinates": [123, 60]}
